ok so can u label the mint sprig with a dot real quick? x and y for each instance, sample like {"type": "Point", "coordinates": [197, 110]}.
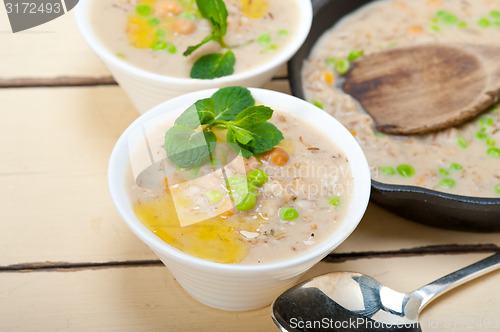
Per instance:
{"type": "Point", "coordinates": [190, 142]}
{"type": "Point", "coordinates": [213, 65]}
{"type": "Point", "coordinates": [216, 13]}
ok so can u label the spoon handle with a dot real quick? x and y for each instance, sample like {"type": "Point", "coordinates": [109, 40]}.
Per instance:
{"type": "Point", "coordinates": [440, 286]}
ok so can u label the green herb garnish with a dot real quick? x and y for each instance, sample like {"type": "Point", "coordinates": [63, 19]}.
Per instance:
{"type": "Point", "coordinates": [214, 65]}
{"type": "Point", "coordinates": [190, 142]}
{"type": "Point", "coordinates": [216, 13]}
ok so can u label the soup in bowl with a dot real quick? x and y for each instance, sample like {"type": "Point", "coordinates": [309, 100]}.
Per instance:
{"type": "Point", "coordinates": [237, 219]}
{"type": "Point", "coordinates": [158, 49]}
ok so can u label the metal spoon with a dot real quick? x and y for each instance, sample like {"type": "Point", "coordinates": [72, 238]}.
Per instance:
{"type": "Point", "coordinates": [346, 301]}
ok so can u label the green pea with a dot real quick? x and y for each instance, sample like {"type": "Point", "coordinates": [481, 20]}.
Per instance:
{"type": "Point", "coordinates": [272, 48]}
{"type": "Point", "coordinates": [446, 17]}
{"type": "Point", "coordinates": [331, 61]}
{"type": "Point", "coordinates": [247, 203]}
{"type": "Point", "coordinates": [159, 45]}
{"type": "Point", "coordinates": [484, 23]}
{"type": "Point", "coordinates": [406, 171]}
{"type": "Point", "coordinates": [160, 33]}
{"type": "Point", "coordinates": [435, 28]}
{"type": "Point", "coordinates": [494, 152]}
{"type": "Point", "coordinates": [120, 55]}
{"type": "Point", "coordinates": [387, 170]}
{"type": "Point", "coordinates": [462, 25]}
{"type": "Point", "coordinates": [335, 201]}
{"type": "Point", "coordinates": [379, 134]}
{"type": "Point", "coordinates": [317, 103]}
{"type": "Point", "coordinates": [462, 142]}
{"type": "Point", "coordinates": [171, 48]}
{"type": "Point", "coordinates": [495, 14]}
{"type": "Point", "coordinates": [497, 189]}
{"type": "Point", "coordinates": [342, 66]}
{"type": "Point", "coordinates": [490, 142]}
{"type": "Point", "coordinates": [288, 213]}
{"type": "Point", "coordinates": [264, 39]}
{"type": "Point", "coordinates": [456, 167]}
{"type": "Point", "coordinates": [143, 10]}
{"type": "Point", "coordinates": [258, 177]}
{"type": "Point", "coordinates": [283, 33]}
{"type": "Point", "coordinates": [447, 183]}
{"type": "Point", "coordinates": [214, 196]}
{"type": "Point", "coordinates": [486, 121]}
{"type": "Point", "coordinates": [354, 55]}
{"type": "Point", "coordinates": [481, 135]}
{"type": "Point", "coordinates": [442, 171]}
{"type": "Point", "coordinates": [234, 181]}
{"type": "Point", "coordinates": [391, 45]}
{"type": "Point", "coordinates": [154, 21]}
{"type": "Point", "coordinates": [187, 16]}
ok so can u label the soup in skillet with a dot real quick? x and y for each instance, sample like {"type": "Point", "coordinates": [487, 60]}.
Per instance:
{"type": "Point", "coordinates": [463, 160]}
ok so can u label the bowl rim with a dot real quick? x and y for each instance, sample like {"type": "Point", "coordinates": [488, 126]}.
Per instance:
{"type": "Point", "coordinates": [82, 13]}
{"type": "Point", "coordinates": [297, 90]}
{"type": "Point", "coordinates": [349, 146]}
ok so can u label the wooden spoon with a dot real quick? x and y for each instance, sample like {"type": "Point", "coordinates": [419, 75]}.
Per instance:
{"type": "Point", "coordinates": [425, 88]}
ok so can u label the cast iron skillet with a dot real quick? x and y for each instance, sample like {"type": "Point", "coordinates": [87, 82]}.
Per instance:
{"type": "Point", "coordinates": [422, 205]}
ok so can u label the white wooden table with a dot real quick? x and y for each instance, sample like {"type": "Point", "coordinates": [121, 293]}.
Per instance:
{"type": "Point", "coordinates": [68, 262]}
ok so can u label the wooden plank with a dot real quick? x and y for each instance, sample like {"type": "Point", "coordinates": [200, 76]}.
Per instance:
{"type": "Point", "coordinates": [149, 299]}
{"type": "Point", "coordinates": [54, 201]}
{"type": "Point", "coordinates": [53, 49]}
{"type": "Point", "coordinates": [53, 186]}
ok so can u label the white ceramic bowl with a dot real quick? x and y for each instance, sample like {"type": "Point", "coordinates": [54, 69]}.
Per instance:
{"type": "Point", "coordinates": [147, 89]}
{"type": "Point", "coordinates": [231, 286]}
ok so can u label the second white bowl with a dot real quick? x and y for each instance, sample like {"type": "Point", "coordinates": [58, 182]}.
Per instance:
{"type": "Point", "coordinates": [147, 89]}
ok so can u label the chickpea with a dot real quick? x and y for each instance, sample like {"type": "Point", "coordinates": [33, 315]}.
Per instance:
{"type": "Point", "coordinates": [183, 27]}
{"type": "Point", "coordinates": [168, 8]}
{"type": "Point", "coordinates": [415, 30]}
{"type": "Point", "coordinates": [277, 156]}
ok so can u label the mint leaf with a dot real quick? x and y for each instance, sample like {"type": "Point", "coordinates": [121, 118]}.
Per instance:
{"type": "Point", "coordinates": [236, 146]}
{"type": "Point", "coordinates": [189, 148]}
{"type": "Point", "coordinates": [230, 101]}
{"type": "Point", "coordinates": [241, 135]}
{"type": "Point", "coordinates": [253, 115]}
{"type": "Point", "coordinates": [215, 11]}
{"type": "Point", "coordinates": [265, 137]}
{"type": "Point", "coordinates": [213, 66]}
{"type": "Point", "coordinates": [200, 113]}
